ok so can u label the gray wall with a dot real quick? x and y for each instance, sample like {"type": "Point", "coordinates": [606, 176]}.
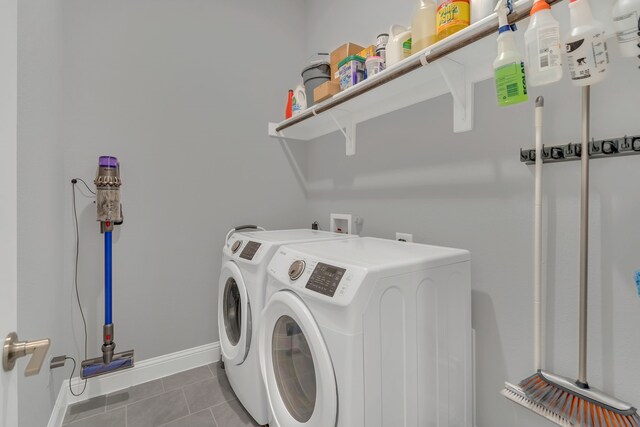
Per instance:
{"type": "Point", "coordinates": [181, 92]}
{"type": "Point", "coordinates": [42, 304]}
{"type": "Point", "coordinates": [412, 174]}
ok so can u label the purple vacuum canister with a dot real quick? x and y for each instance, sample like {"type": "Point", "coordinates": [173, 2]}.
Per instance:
{"type": "Point", "coordinates": [108, 162]}
{"type": "Point", "coordinates": [109, 211]}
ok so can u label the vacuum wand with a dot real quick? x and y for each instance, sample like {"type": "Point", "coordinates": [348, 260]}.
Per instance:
{"type": "Point", "coordinates": [109, 214]}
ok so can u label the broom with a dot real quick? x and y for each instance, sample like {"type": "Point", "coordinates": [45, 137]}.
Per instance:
{"type": "Point", "coordinates": [511, 391]}
{"type": "Point", "coordinates": [561, 400]}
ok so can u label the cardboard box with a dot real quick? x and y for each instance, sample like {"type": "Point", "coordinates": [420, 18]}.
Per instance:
{"type": "Point", "coordinates": [325, 91]}
{"type": "Point", "coordinates": [339, 54]}
{"type": "Point", "coordinates": [367, 52]}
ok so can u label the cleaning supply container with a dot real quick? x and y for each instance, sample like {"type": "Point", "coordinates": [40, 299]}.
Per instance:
{"type": "Point", "coordinates": [452, 16]}
{"type": "Point", "coordinates": [374, 65]}
{"type": "Point", "coordinates": [587, 53]}
{"type": "Point", "coordinates": [423, 29]}
{"type": "Point", "coordinates": [288, 112]}
{"type": "Point", "coordinates": [299, 102]}
{"type": "Point", "coordinates": [351, 71]}
{"type": "Point", "coordinates": [398, 36]}
{"type": "Point", "coordinates": [626, 20]}
{"type": "Point", "coordinates": [381, 46]}
{"type": "Point", "coordinates": [313, 76]}
{"type": "Point", "coordinates": [542, 43]}
{"type": "Point", "coordinates": [509, 69]}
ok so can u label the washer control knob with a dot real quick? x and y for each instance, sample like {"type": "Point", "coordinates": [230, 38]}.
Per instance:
{"type": "Point", "coordinates": [236, 246]}
{"type": "Point", "coordinates": [296, 269]}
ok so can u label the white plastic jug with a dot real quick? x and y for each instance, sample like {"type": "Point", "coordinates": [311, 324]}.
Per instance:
{"type": "Point", "coordinates": [395, 50]}
{"type": "Point", "coordinates": [299, 100]}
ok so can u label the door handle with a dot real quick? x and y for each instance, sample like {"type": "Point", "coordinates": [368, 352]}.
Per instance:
{"type": "Point", "coordinates": [14, 349]}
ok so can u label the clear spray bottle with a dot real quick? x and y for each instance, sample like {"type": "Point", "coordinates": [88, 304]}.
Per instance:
{"type": "Point", "coordinates": [544, 50]}
{"type": "Point", "coordinates": [626, 20]}
{"type": "Point", "coordinates": [510, 75]}
{"type": "Point", "coordinates": [587, 52]}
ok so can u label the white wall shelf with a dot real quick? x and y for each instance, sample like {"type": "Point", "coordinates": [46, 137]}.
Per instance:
{"type": "Point", "coordinates": [451, 66]}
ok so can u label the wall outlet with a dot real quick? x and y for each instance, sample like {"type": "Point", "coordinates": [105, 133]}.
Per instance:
{"type": "Point", "coordinates": [404, 237]}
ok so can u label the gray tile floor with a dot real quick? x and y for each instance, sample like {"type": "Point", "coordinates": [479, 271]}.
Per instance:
{"type": "Point", "coordinates": [200, 397]}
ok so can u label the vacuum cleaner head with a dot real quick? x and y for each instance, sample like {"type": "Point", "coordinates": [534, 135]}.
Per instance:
{"type": "Point", "coordinates": [96, 367]}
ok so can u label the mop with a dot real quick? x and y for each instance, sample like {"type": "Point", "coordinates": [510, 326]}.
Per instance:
{"type": "Point", "coordinates": [109, 214]}
{"type": "Point", "coordinates": [560, 399]}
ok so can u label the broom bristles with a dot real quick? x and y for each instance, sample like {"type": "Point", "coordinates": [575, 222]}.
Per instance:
{"type": "Point", "coordinates": [576, 409]}
{"type": "Point", "coordinates": [515, 394]}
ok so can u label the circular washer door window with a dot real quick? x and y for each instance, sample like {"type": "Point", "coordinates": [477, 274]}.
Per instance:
{"type": "Point", "coordinates": [232, 311]}
{"type": "Point", "coordinates": [294, 369]}
{"type": "Point", "coordinates": [296, 365]}
{"type": "Point", "coordinates": [234, 315]}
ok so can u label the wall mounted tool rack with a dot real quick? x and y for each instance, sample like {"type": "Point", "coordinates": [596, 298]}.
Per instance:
{"type": "Point", "coordinates": [451, 66]}
{"type": "Point", "coordinates": [614, 147]}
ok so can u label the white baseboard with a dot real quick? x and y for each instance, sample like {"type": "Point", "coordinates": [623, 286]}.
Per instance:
{"type": "Point", "coordinates": [142, 372]}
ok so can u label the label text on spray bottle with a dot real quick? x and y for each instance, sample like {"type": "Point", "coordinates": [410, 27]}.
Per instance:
{"type": "Point", "coordinates": [511, 84]}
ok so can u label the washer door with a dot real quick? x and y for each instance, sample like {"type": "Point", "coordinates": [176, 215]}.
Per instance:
{"type": "Point", "coordinates": [234, 315]}
{"type": "Point", "coordinates": [296, 366]}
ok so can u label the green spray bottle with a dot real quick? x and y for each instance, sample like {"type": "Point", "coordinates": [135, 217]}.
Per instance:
{"type": "Point", "coordinates": [511, 82]}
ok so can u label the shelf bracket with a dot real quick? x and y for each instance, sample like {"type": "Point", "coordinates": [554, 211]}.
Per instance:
{"type": "Point", "coordinates": [349, 133]}
{"type": "Point", "coordinates": [461, 88]}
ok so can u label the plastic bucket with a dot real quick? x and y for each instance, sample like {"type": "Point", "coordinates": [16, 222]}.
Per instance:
{"type": "Point", "coordinates": [313, 76]}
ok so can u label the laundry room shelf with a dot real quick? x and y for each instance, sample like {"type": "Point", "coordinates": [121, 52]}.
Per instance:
{"type": "Point", "coordinates": [452, 66]}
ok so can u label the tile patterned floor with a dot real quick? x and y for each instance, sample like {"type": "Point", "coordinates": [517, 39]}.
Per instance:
{"type": "Point", "coordinates": [200, 397]}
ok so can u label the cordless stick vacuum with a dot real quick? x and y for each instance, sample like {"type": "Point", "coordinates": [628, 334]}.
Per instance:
{"type": "Point", "coordinates": [109, 212]}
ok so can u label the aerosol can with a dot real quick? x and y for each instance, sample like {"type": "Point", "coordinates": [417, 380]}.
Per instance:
{"type": "Point", "coordinates": [509, 69]}
{"type": "Point", "coordinates": [587, 52]}
{"type": "Point", "coordinates": [542, 42]}
{"type": "Point", "coordinates": [626, 20]}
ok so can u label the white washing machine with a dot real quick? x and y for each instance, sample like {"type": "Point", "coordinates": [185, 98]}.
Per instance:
{"type": "Point", "coordinates": [242, 284]}
{"type": "Point", "coordinates": [368, 332]}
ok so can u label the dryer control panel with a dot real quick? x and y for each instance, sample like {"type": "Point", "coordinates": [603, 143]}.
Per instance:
{"type": "Point", "coordinates": [325, 279]}
{"type": "Point", "coordinates": [242, 249]}
{"type": "Point", "coordinates": [320, 278]}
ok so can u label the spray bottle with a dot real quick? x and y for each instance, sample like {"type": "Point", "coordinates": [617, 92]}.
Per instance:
{"type": "Point", "coordinates": [626, 20]}
{"type": "Point", "coordinates": [542, 42]}
{"type": "Point", "coordinates": [511, 83]}
{"type": "Point", "coordinates": [587, 52]}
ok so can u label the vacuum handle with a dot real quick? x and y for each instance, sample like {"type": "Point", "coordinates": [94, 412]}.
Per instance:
{"type": "Point", "coordinates": [584, 238]}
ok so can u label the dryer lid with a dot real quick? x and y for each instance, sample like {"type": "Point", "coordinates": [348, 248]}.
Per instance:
{"type": "Point", "coordinates": [373, 253]}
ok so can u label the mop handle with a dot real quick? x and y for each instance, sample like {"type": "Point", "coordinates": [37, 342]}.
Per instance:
{"type": "Point", "coordinates": [584, 237]}
{"type": "Point", "coordinates": [107, 277]}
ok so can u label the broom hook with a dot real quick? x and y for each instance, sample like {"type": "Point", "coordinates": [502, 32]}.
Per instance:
{"type": "Point", "coordinates": [584, 238]}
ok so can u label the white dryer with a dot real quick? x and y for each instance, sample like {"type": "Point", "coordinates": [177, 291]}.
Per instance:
{"type": "Point", "coordinates": [241, 294]}
{"type": "Point", "coordinates": [368, 332]}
